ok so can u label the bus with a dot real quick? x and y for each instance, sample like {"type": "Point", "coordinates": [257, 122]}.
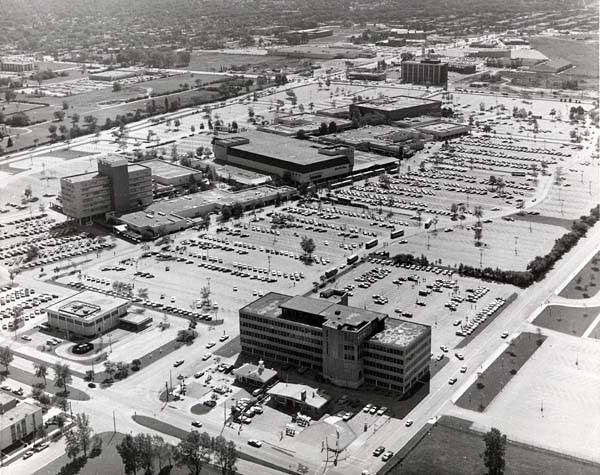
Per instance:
{"type": "Point", "coordinates": [331, 272]}
{"type": "Point", "coordinates": [396, 233]}
{"type": "Point", "coordinates": [352, 259]}
{"type": "Point", "coordinates": [371, 243]}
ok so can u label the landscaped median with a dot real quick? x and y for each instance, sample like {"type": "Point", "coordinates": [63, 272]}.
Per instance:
{"type": "Point", "coordinates": [492, 380]}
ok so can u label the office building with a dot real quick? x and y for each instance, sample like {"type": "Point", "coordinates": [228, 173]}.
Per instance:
{"type": "Point", "coordinates": [89, 314]}
{"type": "Point", "coordinates": [364, 74]}
{"type": "Point", "coordinates": [16, 64]}
{"type": "Point", "coordinates": [396, 108]}
{"type": "Point", "coordinates": [116, 186]}
{"type": "Point", "coordinates": [428, 72]}
{"type": "Point", "coordinates": [350, 346]}
{"type": "Point", "coordinates": [302, 160]}
{"type": "Point", "coordinates": [19, 420]}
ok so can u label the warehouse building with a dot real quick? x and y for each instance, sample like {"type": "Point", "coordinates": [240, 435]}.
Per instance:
{"type": "Point", "coordinates": [428, 72]}
{"type": "Point", "coordinates": [396, 108]}
{"type": "Point", "coordinates": [350, 346]}
{"type": "Point", "coordinates": [302, 160]}
{"type": "Point", "coordinates": [89, 314]}
{"type": "Point", "coordinates": [117, 186]}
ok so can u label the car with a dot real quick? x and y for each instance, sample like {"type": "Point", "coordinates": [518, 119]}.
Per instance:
{"type": "Point", "coordinates": [452, 380]}
{"type": "Point", "coordinates": [367, 408]}
{"type": "Point", "coordinates": [91, 385]}
{"type": "Point", "coordinates": [223, 338]}
{"type": "Point", "coordinates": [463, 369]}
{"type": "Point", "coordinates": [444, 348]}
{"type": "Point", "coordinates": [210, 344]}
{"type": "Point", "coordinates": [347, 416]}
{"type": "Point", "coordinates": [382, 410]}
{"type": "Point", "coordinates": [28, 454]}
{"type": "Point", "coordinates": [197, 423]}
{"type": "Point", "coordinates": [408, 423]}
{"type": "Point", "coordinates": [210, 403]}
{"type": "Point", "coordinates": [373, 410]}
{"type": "Point", "coordinates": [388, 455]}
{"type": "Point", "coordinates": [199, 374]}
{"type": "Point", "coordinates": [26, 338]}
{"type": "Point", "coordinates": [504, 335]}
{"type": "Point", "coordinates": [460, 356]}
{"type": "Point", "coordinates": [178, 363]}
{"type": "Point", "coordinates": [255, 443]}
{"type": "Point", "coordinates": [378, 451]}
{"type": "Point", "coordinates": [206, 356]}
{"type": "Point", "coordinates": [235, 289]}
{"type": "Point", "coordinates": [439, 357]}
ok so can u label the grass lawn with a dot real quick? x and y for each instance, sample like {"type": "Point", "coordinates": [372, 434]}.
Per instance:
{"type": "Point", "coordinates": [108, 462]}
{"type": "Point", "coordinates": [585, 284]}
{"type": "Point", "coordinates": [451, 448]}
{"type": "Point", "coordinates": [489, 383]}
{"type": "Point", "coordinates": [207, 61]}
{"type": "Point", "coordinates": [569, 320]}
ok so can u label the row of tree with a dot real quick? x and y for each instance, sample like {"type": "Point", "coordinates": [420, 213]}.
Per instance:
{"type": "Point", "coordinates": [540, 265]}
{"type": "Point", "coordinates": [144, 452]}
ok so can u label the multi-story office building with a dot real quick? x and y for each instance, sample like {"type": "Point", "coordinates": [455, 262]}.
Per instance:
{"type": "Point", "coordinates": [16, 64]}
{"type": "Point", "coordinates": [117, 186]}
{"type": "Point", "coordinates": [349, 345]}
{"type": "Point", "coordinates": [429, 72]}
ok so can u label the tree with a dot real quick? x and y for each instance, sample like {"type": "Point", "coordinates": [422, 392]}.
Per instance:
{"type": "Point", "coordinates": [237, 210]}
{"type": "Point", "coordinates": [308, 245]}
{"type": "Point", "coordinates": [84, 431]}
{"type": "Point", "coordinates": [495, 448]}
{"type": "Point", "coordinates": [41, 371]}
{"type": "Point", "coordinates": [59, 115]}
{"type": "Point", "coordinates": [323, 129]}
{"type": "Point", "coordinates": [190, 453]}
{"type": "Point", "coordinates": [65, 105]}
{"type": "Point", "coordinates": [72, 447]}
{"type": "Point", "coordinates": [177, 123]}
{"type": "Point", "coordinates": [225, 454]}
{"type": "Point", "coordinates": [144, 452]}
{"type": "Point", "coordinates": [478, 233]}
{"type": "Point", "coordinates": [454, 210]}
{"type": "Point", "coordinates": [332, 127]}
{"type": "Point", "coordinates": [9, 95]}
{"type": "Point", "coordinates": [226, 213]}
{"type": "Point", "coordinates": [9, 142]}
{"type": "Point", "coordinates": [6, 357]}
{"type": "Point", "coordinates": [74, 119]}
{"type": "Point", "coordinates": [116, 87]}
{"type": "Point", "coordinates": [110, 369]}
{"type": "Point", "coordinates": [62, 376]}
{"type": "Point", "coordinates": [128, 451]}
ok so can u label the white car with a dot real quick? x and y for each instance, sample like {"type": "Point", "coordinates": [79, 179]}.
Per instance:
{"type": "Point", "coordinates": [210, 344]}
{"type": "Point", "coordinates": [26, 338]}
{"type": "Point", "coordinates": [206, 356]}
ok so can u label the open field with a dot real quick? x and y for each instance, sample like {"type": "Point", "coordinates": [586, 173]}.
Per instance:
{"type": "Point", "coordinates": [495, 377]}
{"type": "Point", "coordinates": [214, 61]}
{"type": "Point", "coordinates": [584, 284]}
{"type": "Point", "coordinates": [569, 320]}
{"type": "Point", "coordinates": [451, 447]}
{"type": "Point", "coordinates": [583, 54]}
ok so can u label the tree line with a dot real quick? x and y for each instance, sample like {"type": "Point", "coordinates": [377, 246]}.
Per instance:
{"type": "Point", "coordinates": [146, 453]}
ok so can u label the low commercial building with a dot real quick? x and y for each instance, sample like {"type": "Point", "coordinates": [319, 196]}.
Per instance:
{"type": "Point", "coordinates": [462, 67]}
{"type": "Point", "coordinates": [303, 161]}
{"type": "Point", "coordinates": [321, 52]}
{"type": "Point", "coordinates": [348, 345]}
{"type": "Point", "coordinates": [489, 53]}
{"type": "Point", "coordinates": [365, 75]}
{"type": "Point", "coordinates": [254, 375]}
{"type": "Point", "coordinates": [89, 314]}
{"type": "Point", "coordinates": [172, 174]}
{"type": "Point", "coordinates": [117, 186]}
{"type": "Point", "coordinates": [301, 398]}
{"type": "Point", "coordinates": [19, 421]}
{"type": "Point", "coordinates": [444, 130]}
{"type": "Point", "coordinates": [553, 66]}
{"type": "Point", "coordinates": [168, 216]}
{"type": "Point", "coordinates": [291, 125]}
{"type": "Point", "coordinates": [428, 72]}
{"type": "Point", "coordinates": [115, 74]}
{"type": "Point", "coordinates": [397, 107]}
{"type": "Point", "coordinates": [17, 64]}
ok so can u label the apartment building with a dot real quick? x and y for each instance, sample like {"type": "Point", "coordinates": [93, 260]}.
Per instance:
{"type": "Point", "coordinates": [19, 420]}
{"type": "Point", "coordinates": [349, 346]}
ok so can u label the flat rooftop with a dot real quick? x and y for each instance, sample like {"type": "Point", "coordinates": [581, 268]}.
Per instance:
{"type": "Point", "coordinates": [165, 169]}
{"type": "Point", "coordinates": [394, 103]}
{"type": "Point", "coordinates": [252, 371]}
{"type": "Point", "coordinates": [82, 177]}
{"type": "Point", "coordinates": [87, 304]}
{"type": "Point", "coordinates": [22, 409]}
{"type": "Point", "coordinates": [288, 149]}
{"type": "Point", "coordinates": [269, 305]}
{"type": "Point", "coordinates": [341, 315]}
{"type": "Point", "coordinates": [442, 127]}
{"type": "Point", "coordinates": [399, 332]}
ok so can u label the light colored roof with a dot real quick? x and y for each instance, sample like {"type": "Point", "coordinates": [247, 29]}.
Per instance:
{"type": "Point", "coordinates": [315, 398]}
{"type": "Point", "coordinates": [399, 332]}
{"type": "Point", "coordinates": [251, 371]}
{"type": "Point", "coordinates": [87, 304]}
